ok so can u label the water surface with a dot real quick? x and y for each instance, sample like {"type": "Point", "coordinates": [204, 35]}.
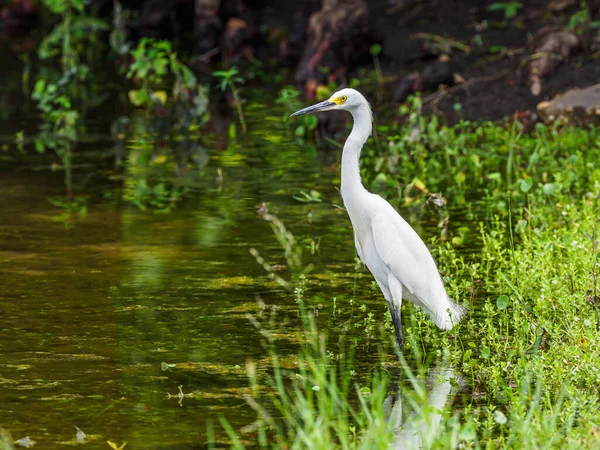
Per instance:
{"type": "Point", "coordinates": [91, 311]}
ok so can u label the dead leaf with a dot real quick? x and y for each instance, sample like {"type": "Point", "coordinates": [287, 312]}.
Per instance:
{"type": "Point", "coordinates": [559, 5]}
{"type": "Point", "coordinates": [554, 48]}
{"type": "Point", "coordinates": [459, 79]}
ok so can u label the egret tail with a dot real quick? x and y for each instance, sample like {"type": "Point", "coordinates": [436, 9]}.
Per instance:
{"type": "Point", "coordinates": [450, 316]}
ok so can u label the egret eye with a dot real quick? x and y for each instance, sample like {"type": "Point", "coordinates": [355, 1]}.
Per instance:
{"type": "Point", "coordinates": [343, 98]}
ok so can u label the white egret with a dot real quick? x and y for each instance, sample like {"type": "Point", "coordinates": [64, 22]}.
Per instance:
{"type": "Point", "coordinates": [394, 253]}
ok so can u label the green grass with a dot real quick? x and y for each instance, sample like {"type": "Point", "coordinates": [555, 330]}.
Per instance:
{"type": "Point", "coordinates": [527, 357]}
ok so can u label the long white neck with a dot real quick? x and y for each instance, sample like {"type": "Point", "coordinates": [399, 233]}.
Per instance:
{"type": "Point", "coordinates": [361, 130]}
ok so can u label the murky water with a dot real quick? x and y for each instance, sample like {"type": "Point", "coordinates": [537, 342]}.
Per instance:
{"type": "Point", "coordinates": [90, 313]}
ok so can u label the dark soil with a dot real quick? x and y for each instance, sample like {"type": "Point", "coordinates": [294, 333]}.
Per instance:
{"type": "Point", "coordinates": [496, 82]}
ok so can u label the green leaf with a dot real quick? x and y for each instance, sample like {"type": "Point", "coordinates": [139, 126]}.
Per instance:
{"type": "Point", "coordinates": [485, 352]}
{"type": "Point", "coordinates": [467, 432]}
{"type": "Point", "coordinates": [502, 302]}
{"type": "Point", "coordinates": [160, 66]}
{"type": "Point", "coordinates": [78, 4]}
{"type": "Point", "coordinates": [39, 146]}
{"type": "Point", "coordinates": [56, 6]}
{"type": "Point", "coordinates": [375, 49]}
{"type": "Point", "coordinates": [549, 189]}
{"type": "Point", "coordinates": [40, 87]}
{"type": "Point", "coordinates": [526, 184]}
{"type": "Point", "coordinates": [139, 97]}
{"type": "Point", "coordinates": [499, 417]}
{"type": "Point", "coordinates": [311, 122]}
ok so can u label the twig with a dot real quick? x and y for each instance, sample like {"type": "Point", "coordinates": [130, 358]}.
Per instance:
{"type": "Point", "coordinates": [442, 40]}
{"type": "Point", "coordinates": [437, 97]}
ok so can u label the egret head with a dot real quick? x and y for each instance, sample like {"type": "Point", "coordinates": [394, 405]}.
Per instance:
{"type": "Point", "coordinates": [346, 99]}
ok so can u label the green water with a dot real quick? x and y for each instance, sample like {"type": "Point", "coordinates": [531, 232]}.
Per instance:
{"type": "Point", "coordinates": [90, 311]}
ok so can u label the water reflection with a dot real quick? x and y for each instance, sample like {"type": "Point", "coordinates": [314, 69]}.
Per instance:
{"type": "Point", "coordinates": [427, 401]}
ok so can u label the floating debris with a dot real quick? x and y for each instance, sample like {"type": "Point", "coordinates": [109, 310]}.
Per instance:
{"type": "Point", "coordinates": [25, 442]}
{"type": "Point", "coordinates": [80, 437]}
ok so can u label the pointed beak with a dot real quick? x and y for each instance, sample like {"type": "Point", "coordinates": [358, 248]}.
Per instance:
{"type": "Point", "coordinates": [323, 106]}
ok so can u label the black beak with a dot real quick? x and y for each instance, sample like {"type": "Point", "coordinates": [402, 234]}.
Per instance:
{"type": "Point", "coordinates": [315, 108]}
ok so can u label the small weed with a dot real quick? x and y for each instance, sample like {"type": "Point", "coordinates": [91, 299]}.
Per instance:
{"type": "Point", "coordinates": [153, 63]}
{"type": "Point", "coordinates": [306, 124]}
{"type": "Point", "coordinates": [375, 51]}
{"type": "Point", "coordinates": [581, 21]}
{"type": "Point", "coordinates": [510, 9]}
{"type": "Point", "coordinates": [230, 79]}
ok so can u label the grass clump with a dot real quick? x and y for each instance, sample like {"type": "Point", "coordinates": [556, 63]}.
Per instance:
{"type": "Point", "coordinates": [320, 402]}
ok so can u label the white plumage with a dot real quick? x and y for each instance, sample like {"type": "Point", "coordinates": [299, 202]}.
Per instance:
{"type": "Point", "coordinates": [394, 253]}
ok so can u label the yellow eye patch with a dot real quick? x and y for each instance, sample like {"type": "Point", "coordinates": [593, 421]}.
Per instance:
{"type": "Point", "coordinates": [339, 100]}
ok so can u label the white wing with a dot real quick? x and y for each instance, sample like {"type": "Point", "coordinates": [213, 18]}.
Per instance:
{"type": "Point", "coordinates": [407, 257]}
{"type": "Point", "coordinates": [409, 260]}
{"type": "Point", "coordinates": [359, 248]}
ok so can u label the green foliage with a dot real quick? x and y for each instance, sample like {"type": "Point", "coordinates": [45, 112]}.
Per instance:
{"type": "Point", "coordinates": [58, 129]}
{"type": "Point", "coordinates": [510, 9]}
{"type": "Point", "coordinates": [63, 6]}
{"type": "Point", "coordinates": [485, 160]}
{"type": "Point", "coordinates": [154, 64]}
{"type": "Point", "coordinates": [77, 32]}
{"type": "Point", "coordinates": [581, 21]}
{"type": "Point", "coordinates": [375, 51]}
{"type": "Point", "coordinates": [230, 79]}
{"type": "Point", "coordinates": [60, 118]}
{"type": "Point", "coordinates": [306, 124]}
{"type": "Point", "coordinates": [227, 77]}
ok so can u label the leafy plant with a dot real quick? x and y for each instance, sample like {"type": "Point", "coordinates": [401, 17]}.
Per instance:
{"type": "Point", "coordinates": [60, 118]}
{"type": "Point", "coordinates": [581, 21]}
{"type": "Point", "coordinates": [230, 79]}
{"type": "Point", "coordinates": [58, 130]}
{"type": "Point", "coordinates": [375, 51]}
{"type": "Point", "coordinates": [154, 62]}
{"type": "Point", "coordinates": [510, 9]}
{"type": "Point", "coordinates": [306, 124]}
{"type": "Point", "coordinates": [71, 36]}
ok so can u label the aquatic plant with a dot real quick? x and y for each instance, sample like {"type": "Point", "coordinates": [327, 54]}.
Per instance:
{"type": "Point", "coordinates": [230, 79]}
{"type": "Point", "coordinates": [58, 98]}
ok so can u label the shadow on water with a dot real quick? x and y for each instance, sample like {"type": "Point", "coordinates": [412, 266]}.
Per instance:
{"type": "Point", "coordinates": [107, 322]}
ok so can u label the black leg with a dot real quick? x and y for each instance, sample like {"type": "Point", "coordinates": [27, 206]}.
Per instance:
{"type": "Point", "coordinates": [397, 325]}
